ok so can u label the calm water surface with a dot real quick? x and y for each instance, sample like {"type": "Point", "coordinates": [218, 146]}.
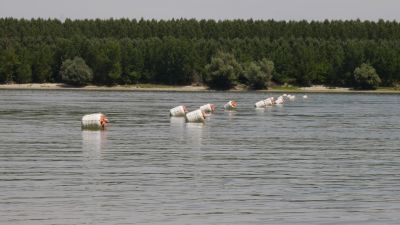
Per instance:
{"type": "Point", "coordinates": [330, 159]}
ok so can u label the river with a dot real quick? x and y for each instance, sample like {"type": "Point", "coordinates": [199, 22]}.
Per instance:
{"type": "Point", "coordinates": [328, 159]}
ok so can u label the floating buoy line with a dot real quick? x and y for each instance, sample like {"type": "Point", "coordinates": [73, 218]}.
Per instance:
{"type": "Point", "coordinates": [99, 121]}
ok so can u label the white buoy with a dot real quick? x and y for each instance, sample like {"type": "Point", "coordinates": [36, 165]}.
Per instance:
{"type": "Point", "coordinates": [95, 121]}
{"type": "Point", "coordinates": [207, 108]}
{"type": "Point", "coordinates": [279, 100]}
{"type": "Point", "coordinates": [269, 101]}
{"type": "Point", "coordinates": [305, 96]}
{"type": "Point", "coordinates": [231, 105]}
{"type": "Point", "coordinates": [260, 104]}
{"type": "Point", "coordinates": [291, 97]}
{"type": "Point", "coordinates": [178, 111]}
{"type": "Point", "coordinates": [196, 116]}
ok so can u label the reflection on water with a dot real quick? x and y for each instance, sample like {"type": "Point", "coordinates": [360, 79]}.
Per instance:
{"type": "Point", "coordinates": [189, 133]}
{"type": "Point", "coordinates": [330, 159]}
{"type": "Point", "coordinates": [194, 134]}
{"type": "Point", "coordinates": [177, 122]}
{"type": "Point", "coordinates": [231, 114]}
{"type": "Point", "coordinates": [262, 111]}
{"type": "Point", "coordinates": [177, 128]}
{"type": "Point", "coordinates": [94, 143]}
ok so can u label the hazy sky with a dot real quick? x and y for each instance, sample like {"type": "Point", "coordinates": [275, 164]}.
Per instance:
{"type": "Point", "coordinates": [207, 9]}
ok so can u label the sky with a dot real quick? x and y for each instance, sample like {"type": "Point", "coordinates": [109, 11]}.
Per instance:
{"type": "Point", "coordinates": [204, 9]}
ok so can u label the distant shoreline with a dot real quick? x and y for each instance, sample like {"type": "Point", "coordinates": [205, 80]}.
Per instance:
{"type": "Point", "coordinates": [139, 87]}
{"type": "Point", "coordinates": [155, 87]}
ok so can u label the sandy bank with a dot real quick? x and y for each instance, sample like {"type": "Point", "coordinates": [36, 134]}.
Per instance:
{"type": "Point", "coordinates": [154, 87]}
{"type": "Point", "coordinates": [323, 88]}
{"type": "Point", "coordinates": [59, 86]}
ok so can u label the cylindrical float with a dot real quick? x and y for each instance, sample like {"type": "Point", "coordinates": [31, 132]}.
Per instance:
{"type": "Point", "coordinates": [231, 105]}
{"type": "Point", "coordinates": [196, 116]}
{"type": "Point", "coordinates": [207, 108]}
{"type": "Point", "coordinates": [95, 121]}
{"type": "Point", "coordinates": [279, 100]}
{"type": "Point", "coordinates": [178, 111]}
{"type": "Point", "coordinates": [269, 101]}
{"type": "Point", "coordinates": [260, 104]}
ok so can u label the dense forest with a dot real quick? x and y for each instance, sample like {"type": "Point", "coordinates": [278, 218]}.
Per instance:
{"type": "Point", "coordinates": [220, 54]}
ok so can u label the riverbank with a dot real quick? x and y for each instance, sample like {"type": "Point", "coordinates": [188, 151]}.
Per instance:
{"type": "Point", "coordinates": [139, 87]}
{"type": "Point", "coordinates": [156, 87]}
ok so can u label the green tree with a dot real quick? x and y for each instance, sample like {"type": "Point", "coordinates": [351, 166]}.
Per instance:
{"type": "Point", "coordinates": [8, 61]}
{"type": "Point", "coordinates": [366, 77]}
{"type": "Point", "coordinates": [23, 73]}
{"type": "Point", "coordinates": [223, 71]}
{"type": "Point", "coordinates": [76, 72]}
{"type": "Point", "coordinates": [259, 74]}
{"type": "Point", "coordinates": [42, 62]}
{"type": "Point", "coordinates": [131, 62]}
{"type": "Point", "coordinates": [104, 58]}
{"type": "Point", "coordinates": [177, 62]}
{"type": "Point", "coordinates": [23, 70]}
{"type": "Point", "coordinates": [267, 68]}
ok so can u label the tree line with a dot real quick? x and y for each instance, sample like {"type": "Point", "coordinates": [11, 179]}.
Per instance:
{"type": "Point", "coordinates": [207, 29]}
{"type": "Point", "coordinates": [181, 52]}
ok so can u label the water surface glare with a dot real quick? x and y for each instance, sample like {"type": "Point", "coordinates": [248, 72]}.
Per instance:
{"type": "Point", "coordinates": [329, 159]}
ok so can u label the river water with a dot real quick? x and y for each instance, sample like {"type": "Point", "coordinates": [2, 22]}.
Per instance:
{"type": "Point", "coordinates": [329, 159]}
